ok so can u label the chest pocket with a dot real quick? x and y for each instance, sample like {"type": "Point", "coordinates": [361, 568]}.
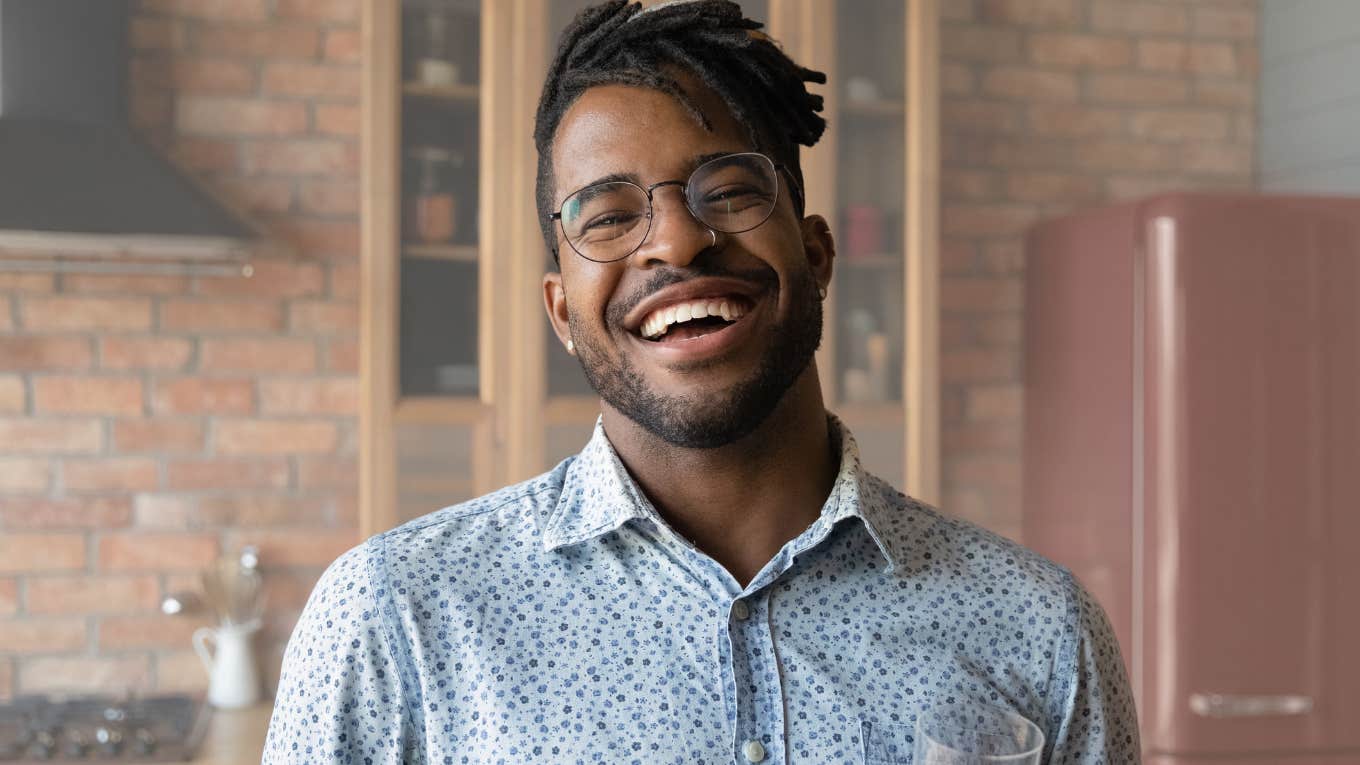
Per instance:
{"type": "Point", "coordinates": [887, 744]}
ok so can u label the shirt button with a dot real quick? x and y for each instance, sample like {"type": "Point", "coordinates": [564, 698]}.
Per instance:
{"type": "Point", "coordinates": [741, 611]}
{"type": "Point", "coordinates": [753, 750]}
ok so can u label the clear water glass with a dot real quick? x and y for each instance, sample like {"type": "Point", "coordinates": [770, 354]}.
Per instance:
{"type": "Point", "coordinates": [971, 733]}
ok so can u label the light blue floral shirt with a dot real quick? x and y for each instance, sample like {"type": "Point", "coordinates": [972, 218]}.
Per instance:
{"type": "Point", "coordinates": [563, 621]}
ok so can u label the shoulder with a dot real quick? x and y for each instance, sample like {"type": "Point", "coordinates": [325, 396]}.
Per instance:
{"type": "Point", "coordinates": [958, 555]}
{"type": "Point", "coordinates": [506, 518]}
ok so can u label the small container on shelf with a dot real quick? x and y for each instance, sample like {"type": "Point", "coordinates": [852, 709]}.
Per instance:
{"type": "Point", "coordinates": [435, 66]}
{"type": "Point", "coordinates": [432, 207]}
{"type": "Point", "coordinates": [863, 231]}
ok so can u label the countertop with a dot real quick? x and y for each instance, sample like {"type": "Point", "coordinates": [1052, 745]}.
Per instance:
{"type": "Point", "coordinates": [235, 736]}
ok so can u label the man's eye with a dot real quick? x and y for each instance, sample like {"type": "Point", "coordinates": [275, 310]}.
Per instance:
{"type": "Point", "coordinates": [735, 194]}
{"type": "Point", "coordinates": [610, 219]}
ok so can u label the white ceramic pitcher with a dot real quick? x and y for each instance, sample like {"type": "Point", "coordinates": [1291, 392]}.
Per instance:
{"type": "Point", "coordinates": [233, 679]}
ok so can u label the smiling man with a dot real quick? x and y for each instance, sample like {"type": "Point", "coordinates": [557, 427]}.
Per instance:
{"type": "Point", "coordinates": [714, 578]}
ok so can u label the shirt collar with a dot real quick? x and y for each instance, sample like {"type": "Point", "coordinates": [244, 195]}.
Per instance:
{"type": "Point", "coordinates": [598, 496]}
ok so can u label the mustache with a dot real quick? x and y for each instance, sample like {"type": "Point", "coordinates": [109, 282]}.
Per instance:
{"type": "Point", "coordinates": [764, 278]}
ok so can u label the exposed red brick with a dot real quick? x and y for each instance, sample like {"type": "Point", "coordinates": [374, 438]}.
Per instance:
{"type": "Point", "coordinates": [245, 510]}
{"type": "Point", "coordinates": [301, 157]}
{"type": "Point", "coordinates": [330, 198]}
{"type": "Point", "coordinates": [1190, 58]}
{"type": "Point", "coordinates": [342, 355]}
{"type": "Point", "coordinates": [322, 238]}
{"type": "Point", "coordinates": [6, 322]}
{"type": "Point", "coordinates": [311, 80]}
{"type": "Point", "coordinates": [981, 116]}
{"type": "Point", "coordinates": [271, 279]}
{"type": "Point", "coordinates": [124, 284]}
{"type": "Point", "coordinates": [180, 672]}
{"type": "Point", "coordinates": [327, 473]}
{"type": "Point", "coordinates": [988, 219]}
{"type": "Point", "coordinates": [1053, 187]}
{"type": "Point", "coordinates": [19, 475]}
{"type": "Point", "coordinates": [159, 631]}
{"type": "Point", "coordinates": [142, 551]}
{"type": "Point", "coordinates": [1030, 85]}
{"type": "Point", "coordinates": [336, 120]}
{"type": "Point", "coordinates": [131, 352]}
{"type": "Point", "coordinates": [85, 313]}
{"type": "Point", "coordinates": [1137, 89]}
{"type": "Point", "coordinates": [30, 635]}
{"type": "Point", "coordinates": [345, 280]}
{"type": "Point", "coordinates": [302, 547]}
{"type": "Point", "coordinates": [57, 436]}
{"type": "Point", "coordinates": [978, 295]}
{"type": "Point", "coordinates": [202, 115]}
{"type": "Point", "coordinates": [1076, 121]}
{"type": "Point", "coordinates": [31, 553]}
{"type": "Point", "coordinates": [273, 41]}
{"type": "Point", "coordinates": [91, 594]}
{"type": "Point", "coordinates": [203, 154]}
{"type": "Point", "coordinates": [258, 355]}
{"type": "Point", "coordinates": [1003, 402]}
{"type": "Point", "coordinates": [269, 437]}
{"type": "Point", "coordinates": [342, 45]}
{"type": "Point", "coordinates": [217, 10]}
{"type": "Point", "coordinates": [257, 195]}
{"type": "Point", "coordinates": [158, 435]}
{"type": "Point", "coordinates": [1179, 125]}
{"type": "Point", "coordinates": [13, 397]}
{"type": "Point", "coordinates": [117, 474]}
{"type": "Point", "coordinates": [36, 513]}
{"type": "Point", "coordinates": [1080, 51]}
{"type": "Point", "coordinates": [329, 11]}
{"type": "Point", "coordinates": [87, 395]}
{"type": "Point", "coordinates": [208, 316]}
{"type": "Point", "coordinates": [956, 79]}
{"type": "Point", "coordinates": [979, 364]}
{"type": "Point", "coordinates": [44, 353]}
{"type": "Point", "coordinates": [986, 471]}
{"type": "Point", "coordinates": [9, 600]}
{"type": "Point", "coordinates": [1003, 258]}
{"type": "Point", "coordinates": [1232, 23]}
{"type": "Point", "coordinates": [1126, 155]}
{"type": "Point", "coordinates": [204, 395]}
{"type": "Point", "coordinates": [199, 76]}
{"type": "Point", "coordinates": [85, 675]}
{"type": "Point", "coordinates": [324, 317]}
{"type": "Point", "coordinates": [1139, 18]}
{"type": "Point", "coordinates": [993, 436]}
{"type": "Point", "coordinates": [21, 282]}
{"type": "Point", "coordinates": [989, 44]}
{"type": "Point", "coordinates": [1037, 13]}
{"type": "Point", "coordinates": [312, 396]}
{"type": "Point", "coordinates": [220, 473]}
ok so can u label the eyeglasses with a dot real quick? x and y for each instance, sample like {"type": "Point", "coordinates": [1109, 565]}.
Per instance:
{"type": "Point", "coordinates": [607, 222]}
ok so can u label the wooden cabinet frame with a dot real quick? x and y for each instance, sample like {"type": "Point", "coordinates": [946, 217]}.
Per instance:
{"type": "Point", "coordinates": [510, 414]}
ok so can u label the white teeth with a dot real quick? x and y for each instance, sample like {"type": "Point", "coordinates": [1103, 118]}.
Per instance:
{"type": "Point", "coordinates": [660, 321]}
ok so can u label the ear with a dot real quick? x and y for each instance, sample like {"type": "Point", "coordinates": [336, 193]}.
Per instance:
{"type": "Point", "coordinates": [819, 247]}
{"type": "Point", "coordinates": [555, 301]}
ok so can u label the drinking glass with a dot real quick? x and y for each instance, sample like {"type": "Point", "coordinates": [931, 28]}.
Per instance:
{"type": "Point", "coordinates": [970, 733]}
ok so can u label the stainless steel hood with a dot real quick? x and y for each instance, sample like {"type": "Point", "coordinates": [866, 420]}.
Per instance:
{"type": "Point", "coordinates": [76, 186]}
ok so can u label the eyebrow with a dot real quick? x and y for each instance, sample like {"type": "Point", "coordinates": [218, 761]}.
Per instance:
{"type": "Point", "coordinates": [635, 179]}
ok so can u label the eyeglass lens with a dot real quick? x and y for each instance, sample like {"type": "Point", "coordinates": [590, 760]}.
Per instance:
{"type": "Point", "coordinates": [732, 194]}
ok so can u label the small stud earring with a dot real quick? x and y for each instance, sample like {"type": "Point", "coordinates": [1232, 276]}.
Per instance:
{"type": "Point", "coordinates": [821, 291]}
{"type": "Point", "coordinates": [571, 347]}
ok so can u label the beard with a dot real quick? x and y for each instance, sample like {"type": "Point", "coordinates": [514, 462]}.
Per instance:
{"type": "Point", "coordinates": [710, 419]}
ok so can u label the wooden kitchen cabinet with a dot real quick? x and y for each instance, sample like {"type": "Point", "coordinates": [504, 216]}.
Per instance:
{"type": "Point", "coordinates": [464, 389]}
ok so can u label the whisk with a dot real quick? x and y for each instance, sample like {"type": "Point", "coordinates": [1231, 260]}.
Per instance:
{"type": "Point", "coordinates": [232, 588]}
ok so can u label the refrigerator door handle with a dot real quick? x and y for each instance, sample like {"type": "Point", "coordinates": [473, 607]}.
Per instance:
{"type": "Point", "coordinates": [1228, 705]}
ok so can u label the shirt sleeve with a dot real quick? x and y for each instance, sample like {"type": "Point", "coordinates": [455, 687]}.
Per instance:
{"type": "Point", "coordinates": [1097, 724]}
{"type": "Point", "coordinates": [340, 697]}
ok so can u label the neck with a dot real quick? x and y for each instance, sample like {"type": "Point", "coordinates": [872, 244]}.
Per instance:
{"type": "Point", "coordinates": [756, 493]}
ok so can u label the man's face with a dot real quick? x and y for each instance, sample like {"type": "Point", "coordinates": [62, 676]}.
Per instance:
{"type": "Point", "coordinates": [706, 382]}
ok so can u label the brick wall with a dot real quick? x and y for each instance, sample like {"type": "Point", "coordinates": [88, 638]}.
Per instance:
{"type": "Point", "coordinates": [1047, 106]}
{"type": "Point", "coordinates": [147, 423]}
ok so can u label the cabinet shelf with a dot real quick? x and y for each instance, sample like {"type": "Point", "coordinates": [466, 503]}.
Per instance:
{"type": "Point", "coordinates": [465, 253]}
{"type": "Point", "coordinates": [453, 93]}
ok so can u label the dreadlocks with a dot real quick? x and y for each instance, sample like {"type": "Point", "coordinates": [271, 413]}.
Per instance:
{"type": "Point", "coordinates": [618, 43]}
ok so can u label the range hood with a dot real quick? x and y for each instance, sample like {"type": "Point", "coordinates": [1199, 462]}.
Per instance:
{"type": "Point", "coordinates": [79, 191]}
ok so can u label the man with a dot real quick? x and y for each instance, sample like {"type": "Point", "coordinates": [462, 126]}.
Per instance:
{"type": "Point", "coordinates": [713, 578]}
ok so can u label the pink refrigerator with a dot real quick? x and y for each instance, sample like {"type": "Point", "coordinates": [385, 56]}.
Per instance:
{"type": "Point", "coordinates": [1192, 453]}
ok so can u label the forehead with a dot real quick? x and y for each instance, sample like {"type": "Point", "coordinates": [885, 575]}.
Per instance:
{"type": "Point", "coordinates": [628, 130]}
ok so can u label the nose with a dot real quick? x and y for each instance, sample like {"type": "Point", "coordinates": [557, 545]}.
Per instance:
{"type": "Point", "coordinates": [676, 236]}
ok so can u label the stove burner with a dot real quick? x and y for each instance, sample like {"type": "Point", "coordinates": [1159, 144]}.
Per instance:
{"type": "Point", "coordinates": [152, 729]}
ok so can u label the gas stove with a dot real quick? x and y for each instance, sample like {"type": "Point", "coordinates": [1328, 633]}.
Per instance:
{"type": "Point", "coordinates": [109, 729]}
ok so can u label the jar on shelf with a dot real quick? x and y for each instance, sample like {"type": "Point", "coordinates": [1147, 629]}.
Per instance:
{"type": "Point", "coordinates": [436, 66]}
{"type": "Point", "coordinates": [432, 208]}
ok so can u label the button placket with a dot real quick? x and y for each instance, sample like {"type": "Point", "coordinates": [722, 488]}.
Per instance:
{"type": "Point", "coordinates": [760, 714]}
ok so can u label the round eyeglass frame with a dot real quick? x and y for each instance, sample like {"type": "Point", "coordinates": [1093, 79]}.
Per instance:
{"type": "Point", "coordinates": [684, 190]}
